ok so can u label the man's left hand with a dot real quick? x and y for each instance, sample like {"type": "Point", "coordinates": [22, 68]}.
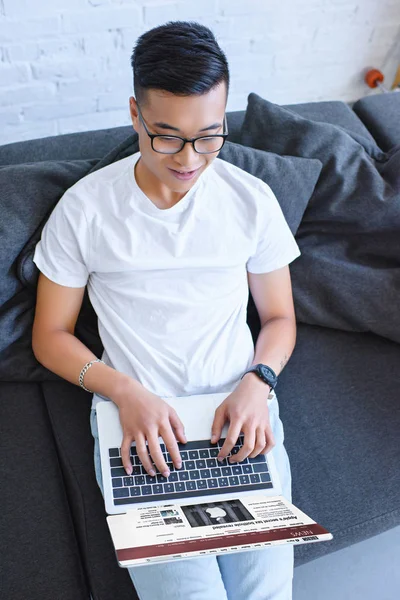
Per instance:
{"type": "Point", "coordinates": [247, 411]}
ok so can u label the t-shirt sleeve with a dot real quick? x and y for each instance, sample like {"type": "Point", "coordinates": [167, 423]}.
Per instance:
{"type": "Point", "coordinates": [275, 246]}
{"type": "Point", "coordinates": [62, 254]}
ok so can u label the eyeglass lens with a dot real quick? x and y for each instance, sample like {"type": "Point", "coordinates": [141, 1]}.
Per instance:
{"type": "Point", "coordinates": [171, 145]}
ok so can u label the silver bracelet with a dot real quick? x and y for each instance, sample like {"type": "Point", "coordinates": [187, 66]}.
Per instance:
{"type": "Point", "coordinates": [84, 370]}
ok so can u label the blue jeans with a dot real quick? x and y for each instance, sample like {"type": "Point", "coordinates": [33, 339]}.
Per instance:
{"type": "Point", "coordinates": [260, 575]}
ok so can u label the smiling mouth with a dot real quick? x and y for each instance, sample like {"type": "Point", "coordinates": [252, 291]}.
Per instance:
{"type": "Point", "coordinates": [185, 172]}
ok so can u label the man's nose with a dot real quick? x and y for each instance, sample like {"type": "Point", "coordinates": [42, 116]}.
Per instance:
{"type": "Point", "coordinates": [188, 156]}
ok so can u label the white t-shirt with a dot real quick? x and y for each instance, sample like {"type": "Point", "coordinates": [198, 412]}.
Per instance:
{"type": "Point", "coordinates": [169, 286]}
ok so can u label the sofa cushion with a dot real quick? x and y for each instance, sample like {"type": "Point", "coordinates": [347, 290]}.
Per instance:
{"type": "Point", "coordinates": [339, 404]}
{"type": "Point", "coordinates": [69, 411]}
{"type": "Point", "coordinates": [348, 276]}
{"type": "Point", "coordinates": [28, 194]}
{"type": "Point", "coordinates": [40, 556]}
{"type": "Point", "coordinates": [381, 114]}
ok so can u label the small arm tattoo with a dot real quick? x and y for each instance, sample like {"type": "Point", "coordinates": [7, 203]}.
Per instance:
{"type": "Point", "coordinates": [284, 361]}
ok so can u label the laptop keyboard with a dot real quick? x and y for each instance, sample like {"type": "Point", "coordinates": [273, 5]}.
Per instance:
{"type": "Point", "coordinates": [201, 474]}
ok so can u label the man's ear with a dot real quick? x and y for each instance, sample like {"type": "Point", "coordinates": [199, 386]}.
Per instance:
{"type": "Point", "coordinates": [134, 113]}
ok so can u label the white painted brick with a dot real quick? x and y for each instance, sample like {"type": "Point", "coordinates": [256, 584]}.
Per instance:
{"type": "Point", "coordinates": [70, 88]}
{"type": "Point", "coordinates": [247, 7]}
{"type": "Point", "coordinates": [247, 26]}
{"type": "Point", "coordinates": [60, 108]}
{"type": "Point", "coordinates": [12, 74]}
{"type": "Point", "coordinates": [27, 51]}
{"type": "Point", "coordinates": [100, 19]}
{"type": "Point", "coordinates": [28, 8]}
{"type": "Point", "coordinates": [384, 35]}
{"type": "Point", "coordinates": [9, 135]}
{"type": "Point", "coordinates": [98, 120]}
{"type": "Point", "coordinates": [10, 116]}
{"type": "Point", "coordinates": [33, 29]}
{"type": "Point", "coordinates": [48, 69]}
{"type": "Point", "coordinates": [113, 101]}
{"type": "Point", "coordinates": [26, 94]}
{"type": "Point", "coordinates": [63, 48]}
{"type": "Point", "coordinates": [159, 13]}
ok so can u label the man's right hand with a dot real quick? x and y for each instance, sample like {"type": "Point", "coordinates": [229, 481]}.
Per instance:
{"type": "Point", "coordinates": [145, 417]}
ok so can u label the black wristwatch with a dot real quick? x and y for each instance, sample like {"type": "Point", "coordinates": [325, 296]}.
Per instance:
{"type": "Point", "coordinates": [265, 373]}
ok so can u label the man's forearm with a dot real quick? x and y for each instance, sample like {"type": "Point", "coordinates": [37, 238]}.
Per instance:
{"type": "Point", "coordinates": [275, 343]}
{"type": "Point", "coordinates": [63, 354]}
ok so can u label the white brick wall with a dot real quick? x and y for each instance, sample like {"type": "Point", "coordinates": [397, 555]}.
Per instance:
{"type": "Point", "coordinates": [65, 64]}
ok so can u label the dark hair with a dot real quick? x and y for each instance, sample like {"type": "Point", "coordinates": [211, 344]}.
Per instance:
{"type": "Point", "coordinates": [180, 57]}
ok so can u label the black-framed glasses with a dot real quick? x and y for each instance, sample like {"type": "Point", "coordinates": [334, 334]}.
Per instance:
{"type": "Point", "coordinates": [172, 144]}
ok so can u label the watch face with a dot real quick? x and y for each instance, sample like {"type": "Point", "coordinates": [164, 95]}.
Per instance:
{"type": "Point", "coordinates": [265, 371]}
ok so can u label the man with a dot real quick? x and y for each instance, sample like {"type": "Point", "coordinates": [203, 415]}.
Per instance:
{"type": "Point", "coordinates": [169, 241]}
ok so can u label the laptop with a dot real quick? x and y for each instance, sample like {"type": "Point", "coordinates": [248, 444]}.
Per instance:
{"type": "Point", "coordinates": [206, 507]}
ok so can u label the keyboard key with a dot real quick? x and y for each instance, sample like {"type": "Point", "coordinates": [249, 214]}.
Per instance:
{"type": "Point", "coordinates": [237, 470]}
{"type": "Point", "coordinates": [201, 464]}
{"type": "Point", "coordinates": [265, 477]}
{"type": "Point", "coordinates": [135, 491]}
{"type": "Point", "coordinates": [201, 484]}
{"type": "Point", "coordinates": [138, 462]}
{"type": "Point", "coordinates": [137, 470]}
{"type": "Point", "coordinates": [212, 483]}
{"type": "Point", "coordinates": [146, 490]}
{"type": "Point", "coordinates": [247, 469]}
{"type": "Point", "coordinates": [157, 488]}
{"type": "Point", "coordinates": [115, 462]}
{"type": "Point", "coordinates": [223, 463]}
{"type": "Point", "coordinates": [139, 480]}
{"type": "Point", "coordinates": [118, 472]}
{"type": "Point", "coordinates": [226, 471]}
{"type": "Point", "coordinates": [121, 493]}
{"type": "Point", "coordinates": [190, 485]}
{"type": "Point", "coordinates": [223, 482]}
{"type": "Point", "coordinates": [257, 459]}
{"type": "Point", "coordinates": [214, 452]}
{"type": "Point", "coordinates": [128, 481]}
{"type": "Point", "coordinates": [149, 479]}
{"type": "Point", "coordinates": [211, 462]}
{"type": "Point", "coordinates": [180, 486]}
{"type": "Point", "coordinates": [244, 479]}
{"type": "Point", "coordinates": [163, 448]}
{"type": "Point", "coordinates": [168, 487]}
{"type": "Point", "coordinates": [234, 480]}
{"type": "Point", "coordinates": [184, 455]}
{"type": "Point", "coordinates": [255, 478]}
{"type": "Point", "coordinates": [235, 450]}
{"type": "Point", "coordinates": [113, 452]}
{"type": "Point", "coordinates": [204, 454]}
{"type": "Point", "coordinates": [173, 477]}
{"type": "Point", "coordinates": [193, 454]}
{"type": "Point", "coordinates": [189, 465]}
{"type": "Point", "coordinates": [205, 473]}
{"type": "Point", "coordinates": [194, 475]}
{"type": "Point", "coordinates": [215, 472]}
{"type": "Point", "coordinates": [260, 468]}
{"type": "Point", "coordinates": [117, 482]}
{"type": "Point", "coordinates": [183, 476]}
{"type": "Point", "coordinates": [161, 478]}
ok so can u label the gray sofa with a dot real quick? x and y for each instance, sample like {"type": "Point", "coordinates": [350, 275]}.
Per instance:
{"type": "Point", "coordinates": [339, 401]}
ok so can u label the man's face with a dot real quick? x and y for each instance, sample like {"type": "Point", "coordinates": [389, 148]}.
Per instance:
{"type": "Point", "coordinates": [188, 117]}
